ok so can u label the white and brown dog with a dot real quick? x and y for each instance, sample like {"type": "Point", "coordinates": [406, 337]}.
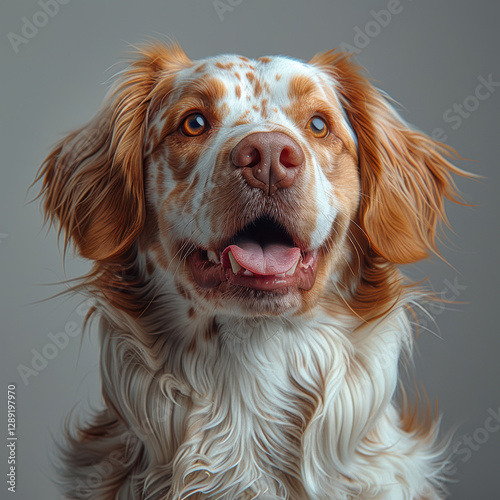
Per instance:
{"type": "Point", "coordinates": [246, 219]}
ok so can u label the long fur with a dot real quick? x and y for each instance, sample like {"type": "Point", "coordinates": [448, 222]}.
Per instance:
{"type": "Point", "coordinates": [202, 401]}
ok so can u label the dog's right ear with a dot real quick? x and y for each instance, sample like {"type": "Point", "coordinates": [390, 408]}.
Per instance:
{"type": "Point", "coordinates": [405, 175]}
{"type": "Point", "coordinates": [93, 180]}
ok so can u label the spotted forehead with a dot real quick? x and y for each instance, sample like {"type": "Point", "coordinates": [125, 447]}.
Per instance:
{"type": "Point", "coordinates": [255, 89]}
{"type": "Point", "coordinates": [265, 75]}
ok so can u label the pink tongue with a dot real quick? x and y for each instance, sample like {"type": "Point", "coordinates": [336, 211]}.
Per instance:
{"type": "Point", "coordinates": [274, 258]}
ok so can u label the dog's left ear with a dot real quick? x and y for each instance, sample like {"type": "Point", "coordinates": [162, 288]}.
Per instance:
{"type": "Point", "coordinates": [405, 175]}
{"type": "Point", "coordinates": [93, 182]}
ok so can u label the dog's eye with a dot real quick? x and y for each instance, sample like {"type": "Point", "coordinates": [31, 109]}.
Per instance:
{"type": "Point", "coordinates": [318, 127]}
{"type": "Point", "coordinates": [195, 124]}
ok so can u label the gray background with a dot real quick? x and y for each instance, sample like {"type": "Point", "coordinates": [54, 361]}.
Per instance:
{"type": "Point", "coordinates": [428, 57]}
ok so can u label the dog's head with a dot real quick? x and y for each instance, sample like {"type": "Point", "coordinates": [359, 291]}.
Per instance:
{"type": "Point", "coordinates": [253, 184]}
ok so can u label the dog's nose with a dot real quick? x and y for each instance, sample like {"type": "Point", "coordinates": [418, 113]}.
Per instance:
{"type": "Point", "coordinates": [269, 160]}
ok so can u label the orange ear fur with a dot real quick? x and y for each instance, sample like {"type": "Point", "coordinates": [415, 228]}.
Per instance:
{"type": "Point", "coordinates": [405, 175]}
{"type": "Point", "coordinates": [93, 179]}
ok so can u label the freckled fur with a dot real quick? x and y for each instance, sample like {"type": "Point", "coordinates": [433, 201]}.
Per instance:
{"type": "Point", "coordinates": [209, 394]}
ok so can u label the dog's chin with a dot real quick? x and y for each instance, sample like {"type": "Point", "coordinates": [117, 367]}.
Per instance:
{"type": "Point", "coordinates": [249, 302]}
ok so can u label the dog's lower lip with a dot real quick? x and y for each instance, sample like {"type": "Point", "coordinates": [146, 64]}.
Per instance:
{"type": "Point", "coordinates": [209, 274]}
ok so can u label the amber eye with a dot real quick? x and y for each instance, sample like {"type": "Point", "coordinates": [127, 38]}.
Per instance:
{"type": "Point", "coordinates": [195, 124]}
{"type": "Point", "coordinates": [318, 127]}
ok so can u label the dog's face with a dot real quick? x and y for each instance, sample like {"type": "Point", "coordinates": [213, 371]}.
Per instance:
{"type": "Point", "coordinates": [251, 172]}
{"type": "Point", "coordinates": [254, 184]}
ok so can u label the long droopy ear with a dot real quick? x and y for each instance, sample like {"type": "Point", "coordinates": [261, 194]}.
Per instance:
{"type": "Point", "coordinates": [405, 175]}
{"type": "Point", "coordinates": [93, 179]}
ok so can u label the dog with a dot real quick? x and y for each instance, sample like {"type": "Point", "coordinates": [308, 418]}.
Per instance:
{"type": "Point", "coordinates": [246, 219]}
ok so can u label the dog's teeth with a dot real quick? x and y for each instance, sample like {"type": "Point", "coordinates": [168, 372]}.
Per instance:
{"type": "Point", "coordinates": [234, 265]}
{"type": "Point", "coordinates": [212, 257]}
{"type": "Point", "coordinates": [291, 271]}
{"type": "Point", "coordinates": [280, 275]}
{"type": "Point", "coordinates": [246, 272]}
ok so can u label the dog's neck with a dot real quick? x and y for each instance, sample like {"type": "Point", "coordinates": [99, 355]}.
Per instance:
{"type": "Point", "coordinates": [222, 388]}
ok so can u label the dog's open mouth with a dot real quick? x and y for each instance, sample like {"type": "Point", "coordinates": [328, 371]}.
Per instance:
{"type": "Point", "coordinates": [261, 256]}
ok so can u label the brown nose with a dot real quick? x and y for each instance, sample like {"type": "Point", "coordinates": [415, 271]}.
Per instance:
{"type": "Point", "coordinates": [269, 160]}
